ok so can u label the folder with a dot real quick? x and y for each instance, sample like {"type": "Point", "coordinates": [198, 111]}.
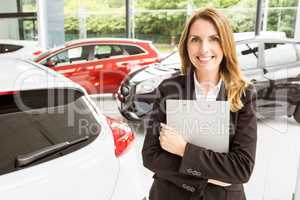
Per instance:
{"type": "Point", "coordinates": [202, 123]}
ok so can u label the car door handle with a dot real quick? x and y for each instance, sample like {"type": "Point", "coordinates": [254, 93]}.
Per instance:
{"type": "Point", "coordinates": [81, 69]}
{"type": "Point", "coordinates": [78, 69]}
{"type": "Point", "coordinates": [123, 65]}
{"type": "Point", "coordinates": [253, 80]}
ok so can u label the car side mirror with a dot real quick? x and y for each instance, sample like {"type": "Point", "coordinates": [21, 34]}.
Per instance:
{"type": "Point", "coordinates": [265, 71]}
{"type": "Point", "coordinates": [50, 63]}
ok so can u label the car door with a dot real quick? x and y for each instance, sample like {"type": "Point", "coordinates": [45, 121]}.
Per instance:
{"type": "Point", "coordinates": [110, 67]}
{"type": "Point", "coordinates": [106, 73]}
{"type": "Point", "coordinates": [248, 55]}
{"type": "Point", "coordinates": [281, 64]}
{"type": "Point", "coordinates": [115, 61]}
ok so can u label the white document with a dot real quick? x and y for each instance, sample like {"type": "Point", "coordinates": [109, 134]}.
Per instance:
{"type": "Point", "coordinates": [202, 123]}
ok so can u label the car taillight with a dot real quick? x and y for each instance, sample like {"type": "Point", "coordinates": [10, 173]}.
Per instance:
{"type": "Point", "coordinates": [36, 53]}
{"type": "Point", "coordinates": [123, 136]}
{"type": "Point", "coordinates": [8, 93]}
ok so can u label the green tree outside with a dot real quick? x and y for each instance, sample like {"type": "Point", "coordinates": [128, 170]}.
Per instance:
{"type": "Point", "coordinates": [163, 20]}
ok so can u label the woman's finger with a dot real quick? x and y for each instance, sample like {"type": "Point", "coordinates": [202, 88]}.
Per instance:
{"type": "Point", "coordinates": [161, 138]}
{"type": "Point", "coordinates": [164, 126]}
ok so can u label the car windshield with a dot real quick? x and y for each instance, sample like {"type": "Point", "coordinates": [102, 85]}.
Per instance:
{"type": "Point", "coordinates": [171, 58]}
{"type": "Point", "coordinates": [32, 120]}
{"type": "Point", "coordinates": [45, 53]}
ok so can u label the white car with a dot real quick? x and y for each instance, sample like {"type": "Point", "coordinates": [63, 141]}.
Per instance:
{"type": "Point", "coordinates": [55, 143]}
{"type": "Point", "coordinates": [19, 49]}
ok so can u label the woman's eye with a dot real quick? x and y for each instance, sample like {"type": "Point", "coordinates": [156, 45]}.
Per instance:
{"type": "Point", "coordinates": [194, 39]}
{"type": "Point", "coordinates": [215, 39]}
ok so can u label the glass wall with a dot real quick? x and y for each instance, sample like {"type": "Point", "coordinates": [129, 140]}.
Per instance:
{"type": "Point", "coordinates": [160, 21]}
{"type": "Point", "coordinates": [163, 20]}
{"type": "Point", "coordinates": [15, 25]}
{"type": "Point", "coordinates": [94, 18]}
{"type": "Point", "coordinates": [281, 16]}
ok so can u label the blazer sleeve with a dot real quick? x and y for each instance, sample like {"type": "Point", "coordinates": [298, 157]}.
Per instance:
{"type": "Point", "coordinates": [164, 164]}
{"type": "Point", "coordinates": [235, 166]}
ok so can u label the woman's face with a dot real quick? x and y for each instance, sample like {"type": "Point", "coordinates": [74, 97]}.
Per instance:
{"type": "Point", "coordinates": [204, 46]}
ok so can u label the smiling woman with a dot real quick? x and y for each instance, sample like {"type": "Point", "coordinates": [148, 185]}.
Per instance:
{"type": "Point", "coordinates": [215, 49]}
{"type": "Point", "coordinates": [210, 71]}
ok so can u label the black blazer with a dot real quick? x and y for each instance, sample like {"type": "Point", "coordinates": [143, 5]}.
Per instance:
{"type": "Point", "coordinates": [186, 177]}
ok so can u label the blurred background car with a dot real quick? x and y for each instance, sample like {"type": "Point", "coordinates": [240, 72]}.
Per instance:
{"type": "Point", "coordinates": [272, 65]}
{"type": "Point", "coordinates": [55, 142]}
{"type": "Point", "coordinates": [19, 49]}
{"type": "Point", "coordinates": [99, 65]}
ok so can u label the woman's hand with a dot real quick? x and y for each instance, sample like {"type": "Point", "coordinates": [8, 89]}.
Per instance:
{"type": "Point", "coordinates": [171, 140]}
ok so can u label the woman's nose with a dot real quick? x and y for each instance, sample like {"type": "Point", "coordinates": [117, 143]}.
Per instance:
{"type": "Point", "coordinates": [204, 46]}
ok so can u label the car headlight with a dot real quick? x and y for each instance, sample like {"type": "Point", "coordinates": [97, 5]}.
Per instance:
{"type": "Point", "coordinates": [124, 90]}
{"type": "Point", "coordinates": [148, 86]}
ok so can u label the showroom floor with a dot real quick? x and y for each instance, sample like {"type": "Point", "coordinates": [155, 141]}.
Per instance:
{"type": "Point", "coordinates": [277, 159]}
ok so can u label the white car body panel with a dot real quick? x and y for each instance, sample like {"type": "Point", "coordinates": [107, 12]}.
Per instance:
{"type": "Point", "coordinates": [18, 74]}
{"type": "Point", "coordinates": [91, 172]}
{"type": "Point", "coordinates": [28, 50]}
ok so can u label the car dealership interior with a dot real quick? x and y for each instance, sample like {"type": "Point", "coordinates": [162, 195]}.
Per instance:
{"type": "Point", "coordinates": [81, 80]}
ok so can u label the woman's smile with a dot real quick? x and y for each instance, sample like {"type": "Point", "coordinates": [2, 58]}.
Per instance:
{"type": "Point", "coordinates": [205, 59]}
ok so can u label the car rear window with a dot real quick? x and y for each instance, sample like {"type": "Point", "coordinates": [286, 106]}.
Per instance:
{"type": "Point", "coordinates": [7, 48]}
{"type": "Point", "coordinates": [132, 50]}
{"type": "Point", "coordinates": [32, 120]}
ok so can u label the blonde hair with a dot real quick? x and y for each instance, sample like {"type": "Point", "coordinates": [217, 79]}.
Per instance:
{"type": "Point", "coordinates": [230, 72]}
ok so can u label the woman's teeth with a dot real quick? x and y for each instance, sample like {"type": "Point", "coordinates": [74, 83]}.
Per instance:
{"type": "Point", "coordinates": [205, 59]}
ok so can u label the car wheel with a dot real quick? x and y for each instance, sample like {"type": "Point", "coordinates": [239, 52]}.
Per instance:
{"type": "Point", "coordinates": [297, 113]}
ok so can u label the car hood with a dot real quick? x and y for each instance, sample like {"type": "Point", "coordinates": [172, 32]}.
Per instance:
{"type": "Point", "coordinates": [155, 70]}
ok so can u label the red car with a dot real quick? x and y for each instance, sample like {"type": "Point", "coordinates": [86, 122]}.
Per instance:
{"type": "Point", "coordinates": [99, 64]}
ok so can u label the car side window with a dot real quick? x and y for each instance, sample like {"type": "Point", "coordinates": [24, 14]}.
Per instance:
{"type": "Point", "coordinates": [117, 51]}
{"type": "Point", "coordinates": [110, 51]}
{"type": "Point", "coordinates": [279, 53]}
{"type": "Point", "coordinates": [247, 55]}
{"type": "Point", "coordinates": [102, 51]}
{"type": "Point", "coordinates": [70, 56]}
{"type": "Point", "coordinates": [133, 50]}
{"type": "Point", "coordinates": [59, 59]}
{"type": "Point", "coordinates": [79, 54]}
{"type": "Point", "coordinates": [7, 48]}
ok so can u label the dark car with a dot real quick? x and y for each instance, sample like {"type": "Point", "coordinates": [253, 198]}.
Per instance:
{"type": "Point", "coordinates": [272, 65]}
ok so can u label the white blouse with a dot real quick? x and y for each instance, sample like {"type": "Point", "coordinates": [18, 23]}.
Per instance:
{"type": "Point", "coordinates": [211, 95]}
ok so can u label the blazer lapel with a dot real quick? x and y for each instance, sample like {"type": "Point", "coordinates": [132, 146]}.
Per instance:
{"type": "Point", "coordinates": [222, 95]}
{"type": "Point", "coordinates": [189, 85]}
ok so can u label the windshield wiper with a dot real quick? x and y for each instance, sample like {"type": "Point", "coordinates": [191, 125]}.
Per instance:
{"type": "Point", "coordinates": [25, 159]}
